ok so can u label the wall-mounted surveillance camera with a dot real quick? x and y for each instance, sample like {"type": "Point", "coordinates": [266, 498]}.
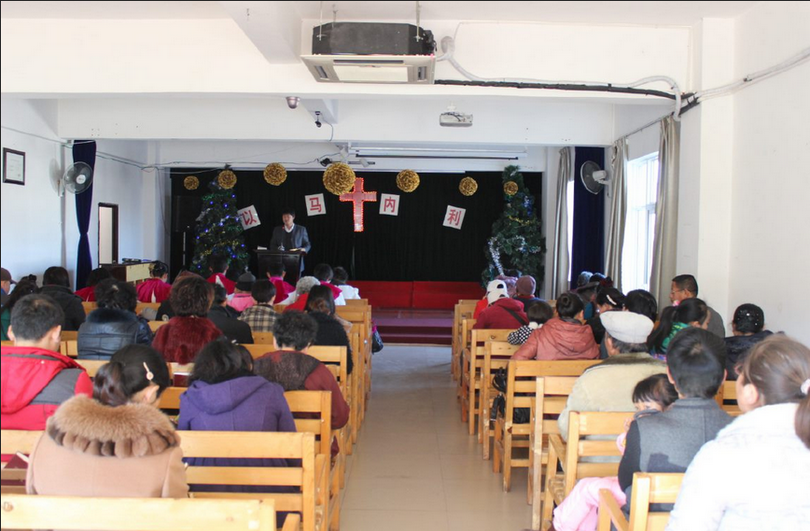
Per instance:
{"type": "Point", "coordinates": [293, 101]}
{"type": "Point", "coordinates": [326, 161]}
{"type": "Point", "coordinates": [318, 119]}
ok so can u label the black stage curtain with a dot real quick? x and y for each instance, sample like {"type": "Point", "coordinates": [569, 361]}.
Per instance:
{"type": "Point", "coordinates": [412, 246]}
{"type": "Point", "coordinates": [589, 216]}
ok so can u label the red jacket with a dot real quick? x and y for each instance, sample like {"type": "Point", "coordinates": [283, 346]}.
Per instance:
{"type": "Point", "coordinates": [87, 294]}
{"type": "Point", "coordinates": [30, 373]}
{"type": "Point", "coordinates": [182, 338]}
{"type": "Point", "coordinates": [497, 316]}
{"type": "Point", "coordinates": [300, 304]}
{"type": "Point", "coordinates": [283, 289]}
{"type": "Point", "coordinates": [229, 284]}
{"type": "Point", "coordinates": [559, 340]}
{"type": "Point", "coordinates": [154, 287]}
{"type": "Point", "coordinates": [480, 307]}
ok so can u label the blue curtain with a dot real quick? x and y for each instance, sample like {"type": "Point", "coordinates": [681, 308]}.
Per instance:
{"type": "Point", "coordinates": [589, 215]}
{"type": "Point", "coordinates": [84, 151]}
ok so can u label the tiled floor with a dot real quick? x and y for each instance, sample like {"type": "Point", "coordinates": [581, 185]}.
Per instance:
{"type": "Point", "coordinates": [414, 466]}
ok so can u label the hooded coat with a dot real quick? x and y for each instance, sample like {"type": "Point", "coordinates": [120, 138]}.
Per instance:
{"type": "Point", "coordinates": [559, 339]}
{"type": "Point", "coordinates": [90, 449]}
{"type": "Point", "coordinates": [248, 403]}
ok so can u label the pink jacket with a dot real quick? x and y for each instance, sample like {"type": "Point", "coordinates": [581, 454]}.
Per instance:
{"type": "Point", "coordinates": [559, 340]}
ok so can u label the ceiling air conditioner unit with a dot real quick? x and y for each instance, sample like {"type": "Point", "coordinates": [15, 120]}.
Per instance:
{"type": "Point", "coordinates": [357, 52]}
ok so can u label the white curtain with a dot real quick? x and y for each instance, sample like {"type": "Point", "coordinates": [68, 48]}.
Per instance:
{"type": "Point", "coordinates": [618, 212]}
{"type": "Point", "coordinates": [561, 265]}
{"type": "Point", "coordinates": [666, 212]}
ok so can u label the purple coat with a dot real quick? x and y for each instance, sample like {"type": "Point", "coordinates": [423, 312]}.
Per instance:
{"type": "Point", "coordinates": [249, 403]}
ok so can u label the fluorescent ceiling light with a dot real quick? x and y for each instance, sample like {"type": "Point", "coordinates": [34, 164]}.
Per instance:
{"type": "Point", "coordinates": [374, 152]}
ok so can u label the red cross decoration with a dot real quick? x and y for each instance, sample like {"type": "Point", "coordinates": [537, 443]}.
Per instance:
{"type": "Point", "coordinates": [359, 196]}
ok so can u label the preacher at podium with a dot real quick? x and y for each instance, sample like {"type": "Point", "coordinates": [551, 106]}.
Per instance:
{"type": "Point", "coordinates": [289, 236]}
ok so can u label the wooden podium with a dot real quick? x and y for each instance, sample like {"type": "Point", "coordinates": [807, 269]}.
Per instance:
{"type": "Point", "coordinates": [290, 259]}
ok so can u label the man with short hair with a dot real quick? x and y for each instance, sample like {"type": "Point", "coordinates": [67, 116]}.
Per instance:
{"type": "Point", "coordinates": [686, 287]}
{"type": "Point", "coordinates": [609, 385]}
{"type": "Point", "coordinates": [227, 319]}
{"type": "Point", "coordinates": [295, 370]}
{"type": "Point", "coordinates": [324, 274]}
{"type": "Point", "coordinates": [289, 236]}
{"type": "Point", "coordinates": [668, 441]}
{"type": "Point", "coordinates": [5, 285]}
{"type": "Point", "coordinates": [36, 377]}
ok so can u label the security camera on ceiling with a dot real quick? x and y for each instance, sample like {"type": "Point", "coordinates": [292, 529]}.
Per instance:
{"type": "Point", "coordinates": [293, 101]}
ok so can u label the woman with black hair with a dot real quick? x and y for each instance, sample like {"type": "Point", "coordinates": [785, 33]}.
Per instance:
{"type": "Point", "coordinates": [116, 443]}
{"type": "Point", "coordinates": [747, 326]}
{"type": "Point", "coordinates": [690, 312]}
{"type": "Point", "coordinates": [26, 286]}
{"type": "Point", "coordinates": [88, 293]}
{"type": "Point", "coordinates": [155, 289]}
{"type": "Point", "coordinates": [56, 284]}
{"type": "Point", "coordinates": [321, 307]}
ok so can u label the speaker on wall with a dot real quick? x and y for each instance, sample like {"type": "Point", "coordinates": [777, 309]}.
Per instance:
{"type": "Point", "coordinates": [185, 210]}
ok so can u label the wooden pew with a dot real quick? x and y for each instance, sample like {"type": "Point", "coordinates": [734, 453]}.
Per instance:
{"type": "Point", "coordinates": [727, 398]}
{"type": "Point", "coordinates": [70, 335]}
{"type": "Point", "coordinates": [521, 389]}
{"type": "Point", "coordinates": [89, 306]}
{"type": "Point", "coordinates": [496, 356]}
{"type": "Point", "coordinates": [464, 309]}
{"type": "Point", "coordinates": [11, 442]}
{"type": "Point", "coordinates": [570, 455]}
{"type": "Point", "coordinates": [647, 489]}
{"type": "Point", "coordinates": [263, 338]}
{"type": "Point", "coordinates": [91, 366]}
{"type": "Point", "coordinates": [466, 329]}
{"type": "Point", "coordinates": [473, 363]}
{"type": "Point", "coordinates": [357, 302]}
{"type": "Point", "coordinates": [154, 325]}
{"type": "Point", "coordinates": [146, 305]}
{"type": "Point", "coordinates": [311, 476]}
{"type": "Point", "coordinates": [147, 514]}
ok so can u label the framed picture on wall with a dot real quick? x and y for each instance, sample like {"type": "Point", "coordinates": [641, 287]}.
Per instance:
{"type": "Point", "coordinates": [13, 166]}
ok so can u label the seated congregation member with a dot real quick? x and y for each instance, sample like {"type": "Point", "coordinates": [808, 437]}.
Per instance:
{"type": "Point", "coordinates": [686, 287]}
{"type": "Point", "coordinates": [227, 319]}
{"type": "Point", "coordinates": [56, 284]}
{"type": "Point", "coordinates": [579, 510]}
{"type": "Point", "coordinates": [482, 305]}
{"type": "Point", "coordinates": [751, 475]}
{"type": "Point", "coordinates": [165, 312]}
{"type": "Point", "coordinates": [242, 299]}
{"type": "Point", "coordinates": [36, 377]}
{"type": "Point", "coordinates": [155, 289]}
{"type": "Point", "coordinates": [26, 286]}
{"type": "Point", "coordinates": [116, 443]}
{"type": "Point", "coordinates": [524, 291]}
{"type": "Point", "coordinates": [747, 326]}
{"type": "Point", "coordinates": [607, 300]}
{"type": "Point", "coordinates": [218, 266]}
{"type": "Point", "coordinates": [302, 288]}
{"type": "Point", "coordinates": [667, 442]}
{"type": "Point", "coordinates": [189, 330]}
{"type": "Point", "coordinates": [113, 324]}
{"type": "Point", "coordinates": [641, 302]}
{"type": "Point", "coordinates": [339, 279]}
{"type": "Point", "coordinates": [689, 313]}
{"type": "Point", "coordinates": [588, 295]}
{"type": "Point", "coordinates": [324, 274]}
{"type": "Point", "coordinates": [88, 293]}
{"type": "Point", "coordinates": [261, 317]}
{"type": "Point", "coordinates": [291, 367]}
{"type": "Point", "coordinates": [275, 274]}
{"type": "Point", "coordinates": [609, 385]}
{"type": "Point", "coordinates": [225, 395]}
{"type": "Point", "coordinates": [5, 285]}
{"type": "Point", "coordinates": [321, 307]}
{"type": "Point", "coordinates": [503, 312]}
{"type": "Point", "coordinates": [564, 337]}
{"type": "Point", "coordinates": [538, 313]}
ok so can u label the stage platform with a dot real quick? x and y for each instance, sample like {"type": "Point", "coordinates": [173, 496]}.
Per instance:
{"type": "Point", "coordinates": [414, 326]}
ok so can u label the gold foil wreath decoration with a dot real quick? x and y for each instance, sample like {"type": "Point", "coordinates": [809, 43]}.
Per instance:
{"type": "Point", "coordinates": [510, 188]}
{"type": "Point", "coordinates": [191, 182]}
{"type": "Point", "coordinates": [407, 180]}
{"type": "Point", "coordinates": [468, 186]}
{"type": "Point", "coordinates": [275, 174]}
{"type": "Point", "coordinates": [339, 178]}
{"type": "Point", "coordinates": [226, 179]}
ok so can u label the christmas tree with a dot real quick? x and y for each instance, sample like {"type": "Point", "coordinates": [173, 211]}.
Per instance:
{"type": "Point", "coordinates": [219, 232]}
{"type": "Point", "coordinates": [516, 242]}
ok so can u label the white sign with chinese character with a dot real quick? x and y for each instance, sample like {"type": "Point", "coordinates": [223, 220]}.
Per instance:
{"type": "Point", "coordinates": [389, 204]}
{"type": "Point", "coordinates": [315, 204]}
{"type": "Point", "coordinates": [454, 217]}
{"type": "Point", "coordinates": [248, 217]}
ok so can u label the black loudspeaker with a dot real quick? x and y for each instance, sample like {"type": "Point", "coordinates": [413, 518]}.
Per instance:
{"type": "Point", "coordinates": [185, 210]}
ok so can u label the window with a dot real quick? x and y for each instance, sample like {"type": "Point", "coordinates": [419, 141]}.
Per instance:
{"type": "Point", "coordinates": [639, 230]}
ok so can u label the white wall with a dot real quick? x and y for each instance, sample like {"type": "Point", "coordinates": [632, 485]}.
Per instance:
{"type": "Point", "coordinates": [769, 245]}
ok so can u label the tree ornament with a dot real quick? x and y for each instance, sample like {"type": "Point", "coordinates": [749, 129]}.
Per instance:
{"type": "Point", "coordinates": [407, 181]}
{"type": "Point", "coordinates": [275, 174]}
{"type": "Point", "coordinates": [510, 188]}
{"type": "Point", "coordinates": [226, 179]}
{"type": "Point", "coordinates": [468, 186]}
{"type": "Point", "coordinates": [191, 182]}
{"type": "Point", "coordinates": [339, 178]}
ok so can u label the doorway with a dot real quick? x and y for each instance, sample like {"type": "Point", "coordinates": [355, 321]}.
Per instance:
{"type": "Point", "coordinates": [107, 233]}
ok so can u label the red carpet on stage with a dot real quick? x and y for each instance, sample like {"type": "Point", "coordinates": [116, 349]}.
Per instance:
{"type": "Point", "coordinates": [408, 325]}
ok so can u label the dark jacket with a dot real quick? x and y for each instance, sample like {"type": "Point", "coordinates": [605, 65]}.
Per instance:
{"type": "Point", "coordinates": [71, 304]}
{"type": "Point", "coordinates": [182, 338]}
{"type": "Point", "coordinates": [597, 328]}
{"type": "Point", "coordinates": [226, 320]}
{"type": "Point", "coordinates": [498, 316]}
{"type": "Point", "coordinates": [527, 301]}
{"type": "Point", "coordinates": [737, 348]}
{"type": "Point", "coordinates": [332, 333]}
{"type": "Point", "coordinates": [106, 330]}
